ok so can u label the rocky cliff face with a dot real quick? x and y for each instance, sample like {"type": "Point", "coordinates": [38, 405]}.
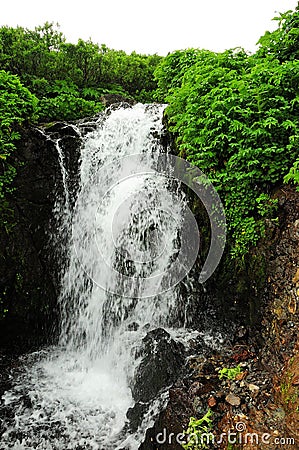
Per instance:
{"type": "Point", "coordinates": [280, 320]}
{"type": "Point", "coordinates": [263, 399]}
{"type": "Point", "coordinates": [28, 282]}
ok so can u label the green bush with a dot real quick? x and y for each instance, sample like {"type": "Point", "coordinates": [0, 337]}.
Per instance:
{"type": "Point", "coordinates": [67, 107]}
{"type": "Point", "coordinates": [17, 105]}
{"type": "Point", "coordinates": [293, 175]}
{"type": "Point", "coordinates": [47, 64]}
{"type": "Point", "coordinates": [235, 117]}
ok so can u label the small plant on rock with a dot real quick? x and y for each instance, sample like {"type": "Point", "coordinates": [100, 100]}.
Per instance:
{"type": "Point", "coordinates": [230, 373]}
{"type": "Point", "coordinates": [199, 434]}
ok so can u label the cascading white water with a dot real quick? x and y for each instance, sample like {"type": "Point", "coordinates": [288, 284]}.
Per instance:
{"type": "Point", "coordinates": [116, 232]}
{"type": "Point", "coordinates": [77, 394]}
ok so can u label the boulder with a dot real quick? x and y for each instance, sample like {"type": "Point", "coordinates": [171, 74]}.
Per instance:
{"type": "Point", "coordinates": [162, 362]}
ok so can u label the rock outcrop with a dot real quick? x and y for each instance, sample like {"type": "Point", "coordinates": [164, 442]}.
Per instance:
{"type": "Point", "coordinates": [162, 362]}
{"type": "Point", "coordinates": [262, 399]}
{"type": "Point", "coordinates": [28, 269]}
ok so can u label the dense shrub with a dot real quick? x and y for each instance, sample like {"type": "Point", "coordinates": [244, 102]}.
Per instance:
{"type": "Point", "coordinates": [17, 104]}
{"type": "Point", "coordinates": [236, 117]}
{"type": "Point", "coordinates": [49, 67]}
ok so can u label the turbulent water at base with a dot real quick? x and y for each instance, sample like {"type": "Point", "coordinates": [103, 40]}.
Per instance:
{"type": "Point", "coordinates": [76, 395]}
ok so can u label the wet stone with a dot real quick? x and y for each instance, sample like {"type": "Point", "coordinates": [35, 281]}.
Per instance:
{"type": "Point", "coordinates": [233, 400]}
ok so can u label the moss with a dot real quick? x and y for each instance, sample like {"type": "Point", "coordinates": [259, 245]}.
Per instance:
{"type": "Point", "coordinates": [289, 392]}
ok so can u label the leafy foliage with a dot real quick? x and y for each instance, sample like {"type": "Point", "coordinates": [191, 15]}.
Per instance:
{"type": "Point", "coordinates": [283, 43]}
{"type": "Point", "coordinates": [171, 70]}
{"type": "Point", "coordinates": [293, 174]}
{"type": "Point", "coordinates": [67, 107]}
{"type": "Point", "coordinates": [230, 373]}
{"type": "Point", "coordinates": [198, 432]}
{"type": "Point", "coordinates": [235, 117]}
{"type": "Point", "coordinates": [75, 75]}
{"type": "Point", "coordinates": [16, 105]}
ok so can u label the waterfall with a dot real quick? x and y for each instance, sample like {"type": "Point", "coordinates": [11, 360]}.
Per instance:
{"type": "Point", "coordinates": [128, 239]}
{"type": "Point", "coordinates": [122, 234]}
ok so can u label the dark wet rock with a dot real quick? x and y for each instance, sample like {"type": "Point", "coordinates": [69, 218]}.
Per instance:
{"type": "Point", "coordinates": [26, 400]}
{"type": "Point", "coordinates": [111, 99]}
{"type": "Point", "coordinates": [171, 422]}
{"type": "Point", "coordinates": [133, 326]}
{"type": "Point", "coordinates": [241, 334]}
{"type": "Point", "coordinates": [28, 268]}
{"type": "Point", "coordinates": [261, 304]}
{"type": "Point", "coordinates": [85, 129]}
{"type": "Point", "coordinates": [212, 402]}
{"type": "Point", "coordinates": [135, 415]}
{"type": "Point", "coordinates": [70, 146]}
{"type": "Point", "coordinates": [162, 362]}
{"type": "Point", "coordinates": [208, 368]}
{"type": "Point", "coordinates": [62, 129]}
{"type": "Point", "coordinates": [233, 399]}
{"type": "Point", "coordinates": [195, 389]}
